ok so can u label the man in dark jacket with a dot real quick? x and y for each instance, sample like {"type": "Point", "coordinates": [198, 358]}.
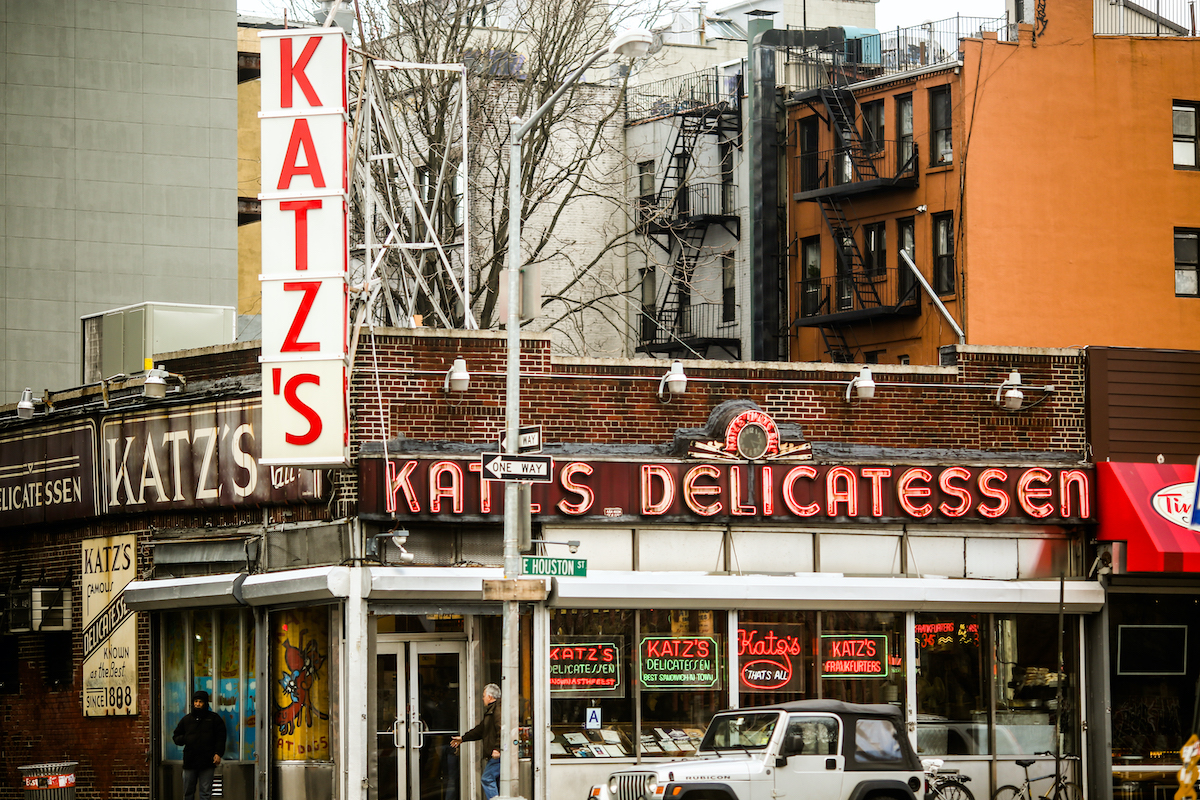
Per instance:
{"type": "Point", "coordinates": [487, 733]}
{"type": "Point", "coordinates": [201, 734]}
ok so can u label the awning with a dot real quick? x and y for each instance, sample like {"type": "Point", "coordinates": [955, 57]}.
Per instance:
{"type": "Point", "coordinates": [201, 591]}
{"type": "Point", "coordinates": [1146, 506]}
{"type": "Point", "coordinates": [816, 591]}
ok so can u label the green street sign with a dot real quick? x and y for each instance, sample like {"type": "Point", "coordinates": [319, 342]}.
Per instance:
{"type": "Point", "coordinates": [558, 567]}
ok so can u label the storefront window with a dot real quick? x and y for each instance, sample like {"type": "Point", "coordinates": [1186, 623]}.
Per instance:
{"type": "Point", "coordinates": [861, 656]}
{"type": "Point", "coordinates": [776, 656]}
{"type": "Point", "coordinates": [952, 697]}
{"type": "Point", "coordinates": [302, 679]}
{"type": "Point", "coordinates": [211, 651]}
{"type": "Point", "coordinates": [1035, 706]}
{"type": "Point", "coordinates": [669, 666]}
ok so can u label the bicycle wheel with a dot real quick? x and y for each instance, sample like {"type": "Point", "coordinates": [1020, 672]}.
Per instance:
{"type": "Point", "coordinates": [1008, 793]}
{"type": "Point", "coordinates": [1067, 791]}
{"type": "Point", "coordinates": [955, 790]}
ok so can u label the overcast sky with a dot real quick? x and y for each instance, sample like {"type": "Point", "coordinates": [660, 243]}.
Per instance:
{"type": "Point", "coordinates": [888, 13]}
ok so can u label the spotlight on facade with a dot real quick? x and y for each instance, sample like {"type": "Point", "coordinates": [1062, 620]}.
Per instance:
{"type": "Point", "coordinates": [457, 377]}
{"type": "Point", "coordinates": [1014, 397]}
{"type": "Point", "coordinates": [25, 405]}
{"type": "Point", "coordinates": [673, 383]}
{"type": "Point", "coordinates": [863, 385]}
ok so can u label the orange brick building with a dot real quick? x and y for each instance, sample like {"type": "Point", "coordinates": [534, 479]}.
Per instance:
{"type": "Point", "coordinates": [1046, 188]}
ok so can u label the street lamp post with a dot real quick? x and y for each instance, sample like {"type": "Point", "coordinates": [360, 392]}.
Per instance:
{"type": "Point", "coordinates": [634, 43]}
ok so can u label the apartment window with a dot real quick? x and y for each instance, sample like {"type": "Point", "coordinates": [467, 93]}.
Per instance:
{"type": "Point", "coordinates": [810, 276]}
{"type": "Point", "coordinates": [875, 248]}
{"type": "Point", "coordinates": [1183, 116]}
{"type": "Point", "coordinates": [845, 268]}
{"type": "Point", "coordinates": [872, 132]}
{"type": "Point", "coordinates": [904, 128]}
{"type": "Point", "coordinates": [649, 299]}
{"type": "Point", "coordinates": [1186, 283]}
{"type": "Point", "coordinates": [809, 154]}
{"type": "Point", "coordinates": [943, 253]}
{"type": "Point", "coordinates": [728, 289]}
{"type": "Point", "coordinates": [906, 232]}
{"type": "Point", "coordinates": [940, 126]}
{"type": "Point", "coordinates": [727, 191]}
{"type": "Point", "coordinates": [902, 359]}
{"type": "Point", "coordinates": [645, 170]}
{"type": "Point", "coordinates": [873, 356]}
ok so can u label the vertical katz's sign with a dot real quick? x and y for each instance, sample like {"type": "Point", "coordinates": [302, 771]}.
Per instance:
{"type": "Point", "coordinates": [304, 247]}
{"type": "Point", "coordinates": [110, 662]}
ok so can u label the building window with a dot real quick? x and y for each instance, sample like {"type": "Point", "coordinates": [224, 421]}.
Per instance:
{"type": "Point", "coordinates": [1186, 283]}
{"type": "Point", "coordinates": [728, 201]}
{"type": "Point", "coordinates": [872, 130]}
{"type": "Point", "coordinates": [1183, 117]}
{"type": "Point", "coordinates": [906, 232]}
{"type": "Point", "coordinates": [845, 268]}
{"type": "Point", "coordinates": [943, 253]}
{"type": "Point", "coordinates": [649, 299]}
{"type": "Point", "coordinates": [940, 126]}
{"type": "Point", "coordinates": [728, 289]}
{"type": "Point", "coordinates": [810, 276]}
{"type": "Point", "coordinates": [809, 134]}
{"type": "Point", "coordinates": [904, 129]}
{"type": "Point", "coordinates": [873, 356]}
{"type": "Point", "coordinates": [875, 248]}
{"type": "Point", "coordinates": [902, 359]}
{"type": "Point", "coordinates": [645, 182]}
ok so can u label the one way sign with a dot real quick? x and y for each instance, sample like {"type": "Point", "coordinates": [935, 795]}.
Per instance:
{"type": "Point", "coordinates": [502, 467]}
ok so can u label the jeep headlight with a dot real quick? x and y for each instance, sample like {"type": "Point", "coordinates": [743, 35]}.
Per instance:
{"type": "Point", "coordinates": [651, 787]}
{"type": "Point", "coordinates": [613, 783]}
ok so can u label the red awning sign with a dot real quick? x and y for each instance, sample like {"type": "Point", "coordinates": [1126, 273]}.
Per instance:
{"type": "Point", "coordinates": [1150, 507]}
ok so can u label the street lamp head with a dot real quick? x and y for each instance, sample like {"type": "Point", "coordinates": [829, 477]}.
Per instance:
{"type": "Point", "coordinates": [635, 43]}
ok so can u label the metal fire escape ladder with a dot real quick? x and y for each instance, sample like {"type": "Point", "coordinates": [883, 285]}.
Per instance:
{"type": "Point", "coordinates": [853, 157]}
{"type": "Point", "coordinates": [683, 268]}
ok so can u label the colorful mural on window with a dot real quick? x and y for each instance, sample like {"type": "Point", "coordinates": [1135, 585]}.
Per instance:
{"type": "Point", "coordinates": [301, 696]}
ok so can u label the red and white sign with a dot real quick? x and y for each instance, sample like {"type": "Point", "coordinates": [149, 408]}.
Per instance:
{"type": "Point", "coordinates": [305, 247]}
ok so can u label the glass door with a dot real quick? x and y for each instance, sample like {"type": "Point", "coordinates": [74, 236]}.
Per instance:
{"type": "Point", "coordinates": [419, 707]}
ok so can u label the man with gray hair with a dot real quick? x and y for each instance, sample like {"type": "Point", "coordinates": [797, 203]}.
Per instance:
{"type": "Point", "coordinates": [487, 733]}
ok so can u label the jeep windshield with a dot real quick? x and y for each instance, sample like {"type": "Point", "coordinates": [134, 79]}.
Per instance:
{"type": "Point", "coordinates": [747, 731]}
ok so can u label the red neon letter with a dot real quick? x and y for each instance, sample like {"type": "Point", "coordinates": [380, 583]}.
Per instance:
{"type": "Point", "coordinates": [301, 137]}
{"type": "Point", "coordinates": [485, 488]}
{"type": "Point", "coordinates": [1026, 493]}
{"type": "Point", "coordinates": [649, 472]}
{"type": "Point", "coordinates": [453, 491]}
{"type": "Point", "coordinates": [954, 491]}
{"type": "Point", "coordinates": [877, 474]}
{"type": "Point", "coordinates": [768, 492]}
{"type": "Point", "coordinates": [291, 343]}
{"type": "Point", "coordinates": [906, 491]}
{"type": "Point", "coordinates": [314, 419]}
{"type": "Point", "coordinates": [691, 491]}
{"type": "Point", "coordinates": [735, 495]}
{"type": "Point", "coordinates": [396, 482]}
{"type": "Point", "coordinates": [1078, 478]}
{"type": "Point", "coordinates": [996, 493]}
{"type": "Point", "coordinates": [586, 495]}
{"type": "Point", "coordinates": [848, 494]}
{"type": "Point", "coordinates": [301, 208]}
{"type": "Point", "coordinates": [789, 498]}
{"type": "Point", "coordinates": [295, 71]}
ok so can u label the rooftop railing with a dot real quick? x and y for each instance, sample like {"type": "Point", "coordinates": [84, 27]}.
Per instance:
{"type": "Point", "coordinates": [1145, 18]}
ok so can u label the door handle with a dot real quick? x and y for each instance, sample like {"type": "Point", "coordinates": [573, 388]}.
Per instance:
{"type": "Point", "coordinates": [419, 729]}
{"type": "Point", "coordinates": [398, 733]}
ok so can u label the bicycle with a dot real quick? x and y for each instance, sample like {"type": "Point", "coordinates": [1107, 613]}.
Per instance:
{"type": "Point", "coordinates": [1061, 789]}
{"type": "Point", "coordinates": [944, 785]}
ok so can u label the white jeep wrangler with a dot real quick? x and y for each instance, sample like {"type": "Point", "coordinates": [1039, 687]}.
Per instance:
{"type": "Point", "coordinates": [805, 750]}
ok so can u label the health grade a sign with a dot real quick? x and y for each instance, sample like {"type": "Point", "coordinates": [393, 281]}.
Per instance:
{"type": "Point", "coordinates": [304, 247]}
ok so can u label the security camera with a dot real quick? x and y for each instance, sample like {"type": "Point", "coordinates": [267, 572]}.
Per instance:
{"type": "Point", "coordinates": [573, 545]}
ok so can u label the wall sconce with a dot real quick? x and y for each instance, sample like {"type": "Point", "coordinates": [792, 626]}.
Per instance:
{"type": "Point", "coordinates": [1014, 397]}
{"type": "Point", "coordinates": [674, 382]}
{"type": "Point", "coordinates": [25, 404]}
{"type": "Point", "coordinates": [398, 538]}
{"type": "Point", "coordinates": [572, 545]}
{"type": "Point", "coordinates": [457, 377]}
{"type": "Point", "coordinates": [155, 385]}
{"type": "Point", "coordinates": [863, 383]}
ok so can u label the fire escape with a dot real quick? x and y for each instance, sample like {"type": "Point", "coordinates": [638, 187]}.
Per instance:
{"type": "Point", "coordinates": [855, 166]}
{"type": "Point", "coordinates": [680, 213]}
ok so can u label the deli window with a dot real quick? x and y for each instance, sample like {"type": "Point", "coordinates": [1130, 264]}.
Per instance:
{"type": "Point", "coordinates": [628, 683]}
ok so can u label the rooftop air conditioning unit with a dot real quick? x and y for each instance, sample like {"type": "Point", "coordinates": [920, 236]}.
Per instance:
{"type": "Point", "coordinates": [119, 341]}
{"type": "Point", "coordinates": [51, 609]}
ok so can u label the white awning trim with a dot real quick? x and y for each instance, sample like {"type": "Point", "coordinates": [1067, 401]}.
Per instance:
{"type": "Point", "coordinates": [820, 591]}
{"type": "Point", "coordinates": [428, 584]}
{"type": "Point", "coordinates": [201, 591]}
{"type": "Point", "coordinates": [313, 584]}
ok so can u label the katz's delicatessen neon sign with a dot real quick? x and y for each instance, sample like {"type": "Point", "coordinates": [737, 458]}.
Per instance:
{"type": "Point", "coordinates": [440, 489]}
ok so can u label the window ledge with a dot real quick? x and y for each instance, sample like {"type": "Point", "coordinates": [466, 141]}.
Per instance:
{"type": "Point", "coordinates": [939, 168]}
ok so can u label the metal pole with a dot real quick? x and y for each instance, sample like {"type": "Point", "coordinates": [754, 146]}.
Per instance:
{"type": "Point", "coordinates": [509, 664]}
{"type": "Point", "coordinates": [937, 301]}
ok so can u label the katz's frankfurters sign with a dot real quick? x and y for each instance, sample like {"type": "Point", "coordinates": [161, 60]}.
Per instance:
{"type": "Point", "coordinates": [445, 489]}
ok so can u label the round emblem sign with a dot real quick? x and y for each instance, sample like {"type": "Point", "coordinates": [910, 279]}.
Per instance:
{"type": "Point", "coordinates": [1174, 503]}
{"type": "Point", "coordinates": [752, 442]}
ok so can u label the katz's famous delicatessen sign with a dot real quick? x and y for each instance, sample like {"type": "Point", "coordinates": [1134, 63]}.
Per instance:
{"type": "Point", "coordinates": [441, 489]}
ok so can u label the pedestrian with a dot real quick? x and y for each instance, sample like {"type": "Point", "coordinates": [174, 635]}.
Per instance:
{"type": "Point", "coordinates": [487, 733]}
{"type": "Point", "coordinates": [201, 734]}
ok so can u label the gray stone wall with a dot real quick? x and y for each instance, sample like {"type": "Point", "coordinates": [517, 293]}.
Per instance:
{"type": "Point", "coordinates": [118, 177]}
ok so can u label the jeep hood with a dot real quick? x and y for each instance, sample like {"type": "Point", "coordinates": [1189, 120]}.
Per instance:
{"type": "Point", "coordinates": [728, 767]}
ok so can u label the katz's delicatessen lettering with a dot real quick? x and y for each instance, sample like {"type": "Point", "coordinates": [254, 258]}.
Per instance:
{"type": "Point", "coordinates": [444, 488]}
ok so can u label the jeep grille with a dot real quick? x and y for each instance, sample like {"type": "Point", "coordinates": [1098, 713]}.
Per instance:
{"type": "Point", "coordinates": [631, 785]}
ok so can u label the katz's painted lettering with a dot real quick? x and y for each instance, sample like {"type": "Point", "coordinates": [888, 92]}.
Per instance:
{"type": "Point", "coordinates": [687, 490]}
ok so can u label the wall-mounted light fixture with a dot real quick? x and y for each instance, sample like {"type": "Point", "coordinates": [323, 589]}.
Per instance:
{"type": "Point", "coordinates": [572, 545]}
{"type": "Point", "coordinates": [157, 378]}
{"type": "Point", "coordinates": [457, 377]}
{"type": "Point", "coordinates": [673, 383]}
{"type": "Point", "coordinates": [1014, 397]}
{"type": "Point", "coordinates": [863, 384]}
{"type": "Point", "coordinates": [398, 538]}
{"type": "Point", "coordinates": [25, 404]}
